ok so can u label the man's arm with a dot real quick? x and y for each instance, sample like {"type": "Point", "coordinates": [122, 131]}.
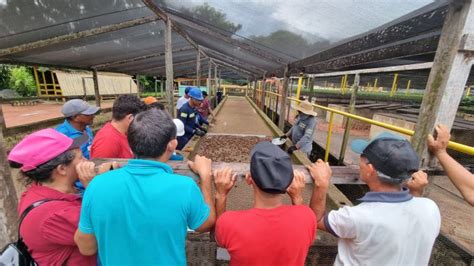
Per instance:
{"type": "Point", "coordinates": [460, 176]}
{"type": "Point", "coordinates": [202, 167]}
{"type": "Point", "coordinates": [295, 190]}
{"type": "Point", "coordinates": [321, 174]}
{"type": "Point", "coordinates": [224, 181]}
{"type": "Point", "coordinates": [86, 243]}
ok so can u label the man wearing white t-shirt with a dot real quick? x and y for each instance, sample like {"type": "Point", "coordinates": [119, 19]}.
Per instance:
{"type": "Point", "coordinates": [390, 226]}
{"type": "Point", "coordinates": [183, 99]}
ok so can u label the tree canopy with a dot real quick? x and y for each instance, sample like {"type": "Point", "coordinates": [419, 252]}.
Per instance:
{"type": "Point", "coordinates": [209, 14]}
{"type": "Point", "coordinates": [291, 43]}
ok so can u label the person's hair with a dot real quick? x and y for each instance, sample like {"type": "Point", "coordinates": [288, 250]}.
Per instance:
{"type": "Point", "coordinates": [125, 105]}
{"type": "Point", "coordinates": [384, 178]}
{"type": "Point", "coordinates": [150, 132]}
{"type": "Point", "coordinates": [44, 172]}
{"type": "Point", "coordinates": [156, 105]}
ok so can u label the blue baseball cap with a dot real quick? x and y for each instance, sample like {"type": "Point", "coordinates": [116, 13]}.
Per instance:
{"type": "Point", "coordinates": [391, 155]}
{"type": "Point", "coordinates": [196, 94]}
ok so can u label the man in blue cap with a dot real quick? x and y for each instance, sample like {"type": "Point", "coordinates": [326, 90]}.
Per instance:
{"type": "Point", "coordinates": [183, 99]}
{"type": "Point", "coordinates": [254, 236]}
{"type": "Point", "coordinates": [390, 226]}
{"type": "Point", "coordinates": [188, 115]}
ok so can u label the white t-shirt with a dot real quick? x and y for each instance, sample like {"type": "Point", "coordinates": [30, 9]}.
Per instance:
{"type": "Point", "coordinates": [181, 101]}
{"type": "Point", "coordinates": [385, 232]}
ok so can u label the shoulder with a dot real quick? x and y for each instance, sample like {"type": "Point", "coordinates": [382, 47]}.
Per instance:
{"type": "Point", "coordinates": [62, 128]}
{"type": "Point", "coordinates": [230, 217]}
{"type": "Point", "coordinates": [302, 209]}
{"type": "Point", "coordinates": [426, 204]}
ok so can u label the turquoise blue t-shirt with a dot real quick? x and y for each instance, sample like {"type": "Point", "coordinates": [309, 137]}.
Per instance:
{"type": "Point", "coordinates": [140, 213]}
{"type": "Point", "coordinates": [67, 129]}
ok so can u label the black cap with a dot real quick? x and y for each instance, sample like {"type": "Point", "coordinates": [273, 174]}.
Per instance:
{"type": "Point", "coordinates": [391, 155]}
{"type": "Point", "coordinates": [271, 168]}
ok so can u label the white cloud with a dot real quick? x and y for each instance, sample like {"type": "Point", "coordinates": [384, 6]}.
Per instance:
{"type": "Point", "coordinates": [331, 19]}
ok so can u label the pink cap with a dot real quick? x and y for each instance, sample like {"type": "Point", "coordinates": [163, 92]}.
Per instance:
{"type": "Point", "coordinates": [41, 147]}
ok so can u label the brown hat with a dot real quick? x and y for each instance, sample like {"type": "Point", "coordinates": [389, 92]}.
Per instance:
{"type": "Point", "coordinates": [306, 108]}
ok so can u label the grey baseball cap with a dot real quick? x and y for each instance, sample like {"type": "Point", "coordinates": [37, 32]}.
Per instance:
{"type": "Point", "coordinates": [78, 106]}
{"type": "Point", "coordinates": [271, 168]}
{"type": "Point", "coordinates": [392, 156]}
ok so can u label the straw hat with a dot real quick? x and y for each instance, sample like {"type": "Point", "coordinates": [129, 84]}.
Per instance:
{"type": "Point", "coordinates": [306, 108]}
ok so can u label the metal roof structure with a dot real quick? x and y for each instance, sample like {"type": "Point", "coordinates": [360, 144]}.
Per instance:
{"type": "Point", "coordinates": [127, 36]}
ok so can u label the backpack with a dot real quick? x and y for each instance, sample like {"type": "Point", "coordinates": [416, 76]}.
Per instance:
{"type": "Point", "coordinates": [16, 253]}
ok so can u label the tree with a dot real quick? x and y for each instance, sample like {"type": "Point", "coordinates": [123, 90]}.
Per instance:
{"type": "Point", "coordinates": [4, 77]}
{"type": "Point", "coordinates": [291, 43]}
{"type": "Point", "coordinates": [209, 14]}
{"type": "Point", "coordinates": [22, 81]}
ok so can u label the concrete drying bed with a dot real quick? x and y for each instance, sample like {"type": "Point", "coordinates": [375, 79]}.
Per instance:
{"type": "Point", "coordinates": [238, 117]}
{"type": "Point", "coordinates": [228, 148]}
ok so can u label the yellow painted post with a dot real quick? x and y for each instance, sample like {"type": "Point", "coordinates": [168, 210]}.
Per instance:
{"type": "Point", "coordinates": [224, 90]}
{"type": "Point", "coordinates": [298, 89]}
{"type": "Point", "coordinates": [38, 87]}
{"type": "Point", "coordinates": [375, 84]}
{"type": "Point", "coordinates": [394, 85]}
{"type": "Point", "coordinates": [408, 87]}
{"type": "Point", "coordinates": [345, 84]}
{"type": "Point", "coordinates": [468, 91]}
{"type": "Point", "coordinates": [342, 85]}
{"type": "Point", "coordinates": [328, 140]}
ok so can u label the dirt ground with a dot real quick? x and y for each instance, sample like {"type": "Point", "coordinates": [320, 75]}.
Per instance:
{"type": "Point", "coordinates": [21, 115]}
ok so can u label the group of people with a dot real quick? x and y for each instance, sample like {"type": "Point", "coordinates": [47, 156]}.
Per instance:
{"type": "Point", "coordinates": [193, 109]}
{"type": "Point", "coordinates": [139, 213]}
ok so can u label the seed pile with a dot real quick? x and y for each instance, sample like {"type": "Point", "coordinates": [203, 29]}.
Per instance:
{"type": "Point", "coordinates": [227, 148]}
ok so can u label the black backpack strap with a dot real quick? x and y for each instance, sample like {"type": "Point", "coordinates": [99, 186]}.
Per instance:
{"type": "Point", "coordinates": [30, 208]}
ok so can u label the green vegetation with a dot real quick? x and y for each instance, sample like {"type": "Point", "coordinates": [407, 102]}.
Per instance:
{"type": "Point", "coordinates": [209, 14]}
{"type": "Point", "coordinates": [22, 81]}
{"type": "Point", "coordinates": [291, 43]}
{"type": "Point", "coordinates": [18, 78]}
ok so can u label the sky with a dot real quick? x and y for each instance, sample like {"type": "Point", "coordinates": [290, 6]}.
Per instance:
{"type": "Point", "coordinates": [329, 19]}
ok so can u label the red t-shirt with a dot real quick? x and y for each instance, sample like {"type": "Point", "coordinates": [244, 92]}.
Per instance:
{"type": "Point", "coordinates": [279, 236]}
{"type": "Point", "coordinates": [110, 143]}
{"type": "Point", "coordinates": [48, 230]}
